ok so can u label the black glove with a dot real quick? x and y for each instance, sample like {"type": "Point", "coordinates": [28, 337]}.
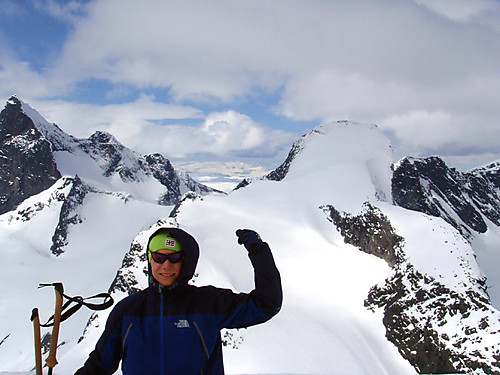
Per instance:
{"type": "Point", "coordinates": [250, 239]}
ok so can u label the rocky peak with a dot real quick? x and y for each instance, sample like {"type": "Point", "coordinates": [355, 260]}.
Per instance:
{"type": "Point", "coordinates": [111, 156]}
{"type": "Point", "coordinates": [102, 138]}
{"type": "Point", "coordinates": [463, 199]}
{"type": "Point", "coordinates": [27, 165]}
{"type": "Point", "coordinates": [17, 123]}
{"type": "Point", "coordinates": [102, 144]}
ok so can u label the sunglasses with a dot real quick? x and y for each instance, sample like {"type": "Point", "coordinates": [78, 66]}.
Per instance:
{"type": "Point", "coordinates": [172, 258]}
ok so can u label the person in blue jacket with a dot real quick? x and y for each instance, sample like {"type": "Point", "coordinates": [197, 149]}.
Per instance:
{"type": "Point", "coordinates": [173, 327]}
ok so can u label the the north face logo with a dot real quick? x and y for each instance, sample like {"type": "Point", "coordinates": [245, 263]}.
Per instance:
{"type": "Point", "coordinates": [182, 323]}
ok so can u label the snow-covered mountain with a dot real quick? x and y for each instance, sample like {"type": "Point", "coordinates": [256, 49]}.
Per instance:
{"type": "Point", "coordinates": [36, 152]}
{"type": "Point", "coordinates": [375, 281]}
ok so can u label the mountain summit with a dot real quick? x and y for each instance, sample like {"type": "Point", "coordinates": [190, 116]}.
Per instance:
{"type": "Point", "coordinates": [27, 165]}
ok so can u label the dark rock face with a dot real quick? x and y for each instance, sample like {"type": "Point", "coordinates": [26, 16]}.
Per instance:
{"type": "Point", "coordinates": [125, 280]}
{"type": "Point", "coordinates": [69, 215]}
{"type": "Point", "coordinates": [190, 196]}
{"type": "Point", "coordinates": [484, 188]}
{"type": "Point", "coordinates": [27, 166]}
{"type": "Point", "coordinates": [280, 173]}
{"type": "Point", "coordinates": [176, 184]}
{"type": "Point", "coordinates": [370, 231]}
{"type": "Point", "coordinates": [109, 153]}
{"type": "Point", "coordinates": [164, 172]}
{"type": "Point", "coordinates": [245, 182]}
{"type": "Point", "coordinates": [436, 329]}
{"type": "Point", "coordinates": [196, 187]}
{"type": "Point", "coordinates": [463, 199]}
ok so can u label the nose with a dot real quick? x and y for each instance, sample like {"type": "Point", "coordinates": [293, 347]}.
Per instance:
{"type": "Point", "coordinates": [166, 264]}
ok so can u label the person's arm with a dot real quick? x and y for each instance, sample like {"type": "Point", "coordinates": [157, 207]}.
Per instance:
{"type": "Point", "coordinates": [106, 356]}
{"type": "Point", "coordinates": [268, 293]}
{"type": "Point", "coordinates": [260, 305]}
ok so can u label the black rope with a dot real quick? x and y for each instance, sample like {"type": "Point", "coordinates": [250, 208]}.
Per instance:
{"type": "Point", "coordinates": [73, 304]}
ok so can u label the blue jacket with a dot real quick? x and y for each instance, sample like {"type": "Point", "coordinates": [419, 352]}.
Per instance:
{"type": "Point", "coordinates": [176, 330]}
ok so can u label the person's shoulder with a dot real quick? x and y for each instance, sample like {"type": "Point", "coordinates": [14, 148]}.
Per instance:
{"type": "Point", "coordinates": [204, 289]}
{"type": "Point", "coordinates": [209, 291]}
{"type": "Point", "coordinates": [135, 299]}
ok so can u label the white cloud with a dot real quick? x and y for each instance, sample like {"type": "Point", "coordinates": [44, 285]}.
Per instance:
{"type": "Point", "coordinates": [229, 134]}
{"type": "Point", "coordinates": [461, 10]}
{"type": "Point", "coordinates": [148, 126]}
{"type": "Point", "coordinates": [67, 11]}
{"type": "Point", "coordinates": [226, 48]}
{"type": "Point", "coordinates": [331, 95]}
{"type": "Point", "coordinates": [458, 138]}
{"type": "Point", "coordinates": [128, 122]}
{"type": "Point", "coordinates": [18, 77]}
{"type": "Point", "coordinates": [198, 51]}
{"type": "Point", "coordinates": [229, 129]}
{"type": "Point", "coordinates": [401, 64]}
{"type": "Point", "coordinates": [421, 128]}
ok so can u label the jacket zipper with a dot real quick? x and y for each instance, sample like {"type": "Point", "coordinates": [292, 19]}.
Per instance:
{"type": "Point", "coordinates": [162, 334]}
{"type": "Point", "coordinates": [202, 343]}
{"type": "Point", "coordinates": [124, 351]}
{"type": "Point", "coordinates": [202, 340]}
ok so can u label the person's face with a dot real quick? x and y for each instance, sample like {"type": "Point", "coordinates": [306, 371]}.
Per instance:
{"type": "Point", "coordinates": [167, 272]}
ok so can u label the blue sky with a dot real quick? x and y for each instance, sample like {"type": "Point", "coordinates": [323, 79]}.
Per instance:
{"type": "Point", "coordinates": [226, 80]}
